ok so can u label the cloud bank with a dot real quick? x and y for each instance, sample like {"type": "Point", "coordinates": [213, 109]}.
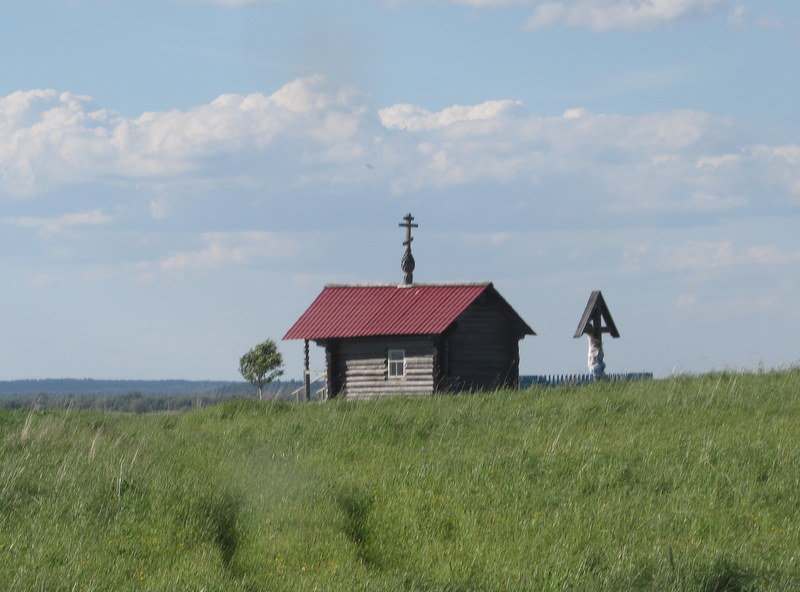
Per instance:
{"type": "Point", "coordinates": [313, 136]}
{"type": "Point", "coordinates": [222, 249]}
{"type": "Point", "coordinates": [596, 15]}
{"type": "Point", "coordinates": [607, 15]}
{"type": "Point", "coordinates": [59, 224]}
{"type": "Point", "coordinates": [50, 138]}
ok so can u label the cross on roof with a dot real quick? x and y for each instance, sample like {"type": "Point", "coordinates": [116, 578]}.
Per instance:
{"type": "Point", "coordinates": [408, 226]}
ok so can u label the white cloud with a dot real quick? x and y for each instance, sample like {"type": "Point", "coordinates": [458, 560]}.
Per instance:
{"type": "Point", "coordinates": [605, 15]}
{"type": "Point", "coordinates": [49, 138]}
{"type": "Point", "coordinates": [45, 280]}
{"type": "Point", "coordinates": [745, 301]}
{"type": "Point", "coordinates": [680, 160]}
{"type": "Point", "coordinates": [687, 300]}
{"type": "Point", "coordinates": [490, 239]}
{"type": "Point", "coordinates": [48, 134]}
{"type": "Point", "coordinates": [780, 165]}
{"type": "Point", "coordinates": [574, 113]}
{"type": "Point", "coordinates": [749, 304]}
{"type": "Point", "coordinates": [58, 224]}
{"type": "Point", "coordinates": [413, 118]}
{"type": "Point", "coordinates": [230, 2]}
{"type": "Point", "coordinates": [741, 16]}
{"type": "Point", "coordinates": [737, 15]}
{"type": "Point", "coordinates": [703, 259]}
{"type": "Point", "coordinates": [706, 202]}
{"type": "Point", "coordinates": [225, 249]}
{"type": "Point", "coordinates": [490, 3]}
{"type": "Point", "coordinates": [313, 280]}
{"type": "Point", "coordinates": [597, 15]}
{"type": "Point", "coordinates": [159, 209]}
{"type": "Point", "coordinates": [790, 153]}
{"type": "Point", "coordinates": [712, 256]}
{"type": "Point", "coordinates": [718, 161]}
{"type": "Point", "coordinates": [640, 162]}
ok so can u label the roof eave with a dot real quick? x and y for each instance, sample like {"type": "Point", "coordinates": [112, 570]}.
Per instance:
{"type": "Point", "coordinates": [525, 329]}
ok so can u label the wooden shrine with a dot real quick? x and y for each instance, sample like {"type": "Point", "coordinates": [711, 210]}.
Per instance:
{"type": "Point", "coordinates": [420, 339]}
{"type": "Point", "coordinates": [595, 321]}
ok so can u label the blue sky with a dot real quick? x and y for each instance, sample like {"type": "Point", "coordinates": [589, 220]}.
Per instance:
{"type": "Point", "coordinates": [179, 180]}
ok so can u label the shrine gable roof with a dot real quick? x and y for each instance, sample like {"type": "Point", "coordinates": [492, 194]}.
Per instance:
{"type": "Point", "coordinates": [345, 311]}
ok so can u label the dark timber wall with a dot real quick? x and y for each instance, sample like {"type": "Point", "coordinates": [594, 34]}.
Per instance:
{"type": "Point", "coordinates": [483, 349]}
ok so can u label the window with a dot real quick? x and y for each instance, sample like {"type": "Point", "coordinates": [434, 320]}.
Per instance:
{"type": "Point", "coordinates": [397, 363]}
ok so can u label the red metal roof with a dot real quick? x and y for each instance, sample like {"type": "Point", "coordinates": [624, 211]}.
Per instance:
{"type": "Point", "coordinates": [370, 310]}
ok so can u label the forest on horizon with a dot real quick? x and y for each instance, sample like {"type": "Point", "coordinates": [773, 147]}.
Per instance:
{"type": "Point", "coordinates": [134, 396]}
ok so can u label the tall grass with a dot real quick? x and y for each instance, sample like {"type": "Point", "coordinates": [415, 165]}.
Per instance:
{"type": "Point", "coordinates": [687, 484]}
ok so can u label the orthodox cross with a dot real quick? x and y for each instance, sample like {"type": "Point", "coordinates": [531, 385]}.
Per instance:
{"type": "Point", "coordinates": [408, 226]}
{"type": "Point", "coordinates": [407, 264]}
{"type": "Point", "coordinates": [591, 324]}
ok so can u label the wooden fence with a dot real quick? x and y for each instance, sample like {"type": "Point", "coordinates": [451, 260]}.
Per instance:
{"type": "Point", "coordinates": [578, 379]}
{"type": "Point", "coordinates": [319, 391]}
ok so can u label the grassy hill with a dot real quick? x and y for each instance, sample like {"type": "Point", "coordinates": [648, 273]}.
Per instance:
{"type": "Point", "coordinates": [686, 484]}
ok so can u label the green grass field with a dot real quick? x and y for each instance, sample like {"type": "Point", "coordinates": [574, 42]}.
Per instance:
{"type": "Point", "coordinates": [687, 484]}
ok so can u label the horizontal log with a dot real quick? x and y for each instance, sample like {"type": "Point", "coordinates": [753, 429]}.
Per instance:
{"type": "Point", "coordinates": [352, 393]}
{"type": "Point", "coordinates": [381, 349]}
{"type": "Point", "coordinates": [377, 372]}
{"type": "Point", "coordinates": [383, 377]}
{"type": "Point", "coordinates": [414, 386]}
{"type": "Point", "coordinates": [390, 381]}
{"type": "Point", "coordinates": [374, 372]}
{"type": "Point", "coordinates": [409, 361]}
{"type": "Point", "coordinates": [387, 385]}
{"type": "Point", "coordinates": [382, 362]}
{"type": "Point", "coordinates": [368, 394]}
{"type": "Point", "coordinates": [366, 397]}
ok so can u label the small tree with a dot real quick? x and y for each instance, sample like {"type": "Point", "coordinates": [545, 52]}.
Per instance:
{"type": "Point", "coordinates": [261, 365]}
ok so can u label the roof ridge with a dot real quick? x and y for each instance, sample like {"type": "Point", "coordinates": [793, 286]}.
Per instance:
{"type": "Point", "coordinates": [414, 285]}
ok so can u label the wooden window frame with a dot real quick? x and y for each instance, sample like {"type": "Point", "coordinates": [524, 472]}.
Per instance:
{"type": "Point", "coordinates": [395, 363]}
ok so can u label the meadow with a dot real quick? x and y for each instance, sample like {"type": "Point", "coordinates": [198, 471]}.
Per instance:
{"type": "Point", "coordinates": [689, 484]}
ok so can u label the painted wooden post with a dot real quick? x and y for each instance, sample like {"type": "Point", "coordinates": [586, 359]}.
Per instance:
{"type": "Point", "coordinates": [591, 324]}
{"type": "Point", "coordinates": [307, 372]}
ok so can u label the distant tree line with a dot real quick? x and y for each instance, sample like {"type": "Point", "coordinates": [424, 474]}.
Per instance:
{"type": "Point", "coordinates": [131, 396]}
{"type": "Point", "coordinates": [117, 387]}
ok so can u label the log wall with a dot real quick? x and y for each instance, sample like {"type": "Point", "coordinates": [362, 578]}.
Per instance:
{"type": "Point", "coordinates": [361, 369]}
